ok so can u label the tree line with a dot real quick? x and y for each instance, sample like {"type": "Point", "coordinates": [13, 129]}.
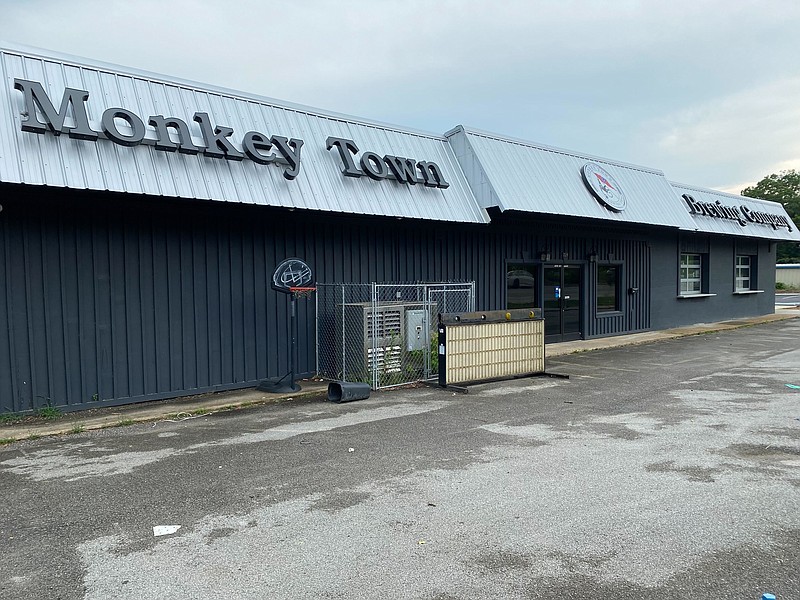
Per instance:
{"type": "Point", "coordinates": [783, 187]}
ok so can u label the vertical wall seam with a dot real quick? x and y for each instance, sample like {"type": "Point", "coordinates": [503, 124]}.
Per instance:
{"type": "Point", "coordinates": [48, 336]}
{"type": "Point", "coordinates": [64, 309]}
{"type": "Point", "coordinates": [30, 321]}
{"type": "Point", "coordinates": [15, 399]}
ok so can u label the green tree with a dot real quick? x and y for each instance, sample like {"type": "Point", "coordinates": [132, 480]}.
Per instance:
{"type": "Point", "coordinates": [783, 187]}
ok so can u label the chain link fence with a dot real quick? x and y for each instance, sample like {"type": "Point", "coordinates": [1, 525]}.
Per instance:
{"type": "Point", "coordinates": [384, 334]}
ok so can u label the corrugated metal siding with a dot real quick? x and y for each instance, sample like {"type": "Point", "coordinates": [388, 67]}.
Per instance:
{"type": "Point", "coordinates": [518, 175]}
{"type": "Point", "coordinates": [110, 299]}
{"type": "Point", "coordinates": [61, 161]}
{"type": "Point", "coordinates": [114, 299]}
{"type": "Point", "coordinates": [634, 257]}
{"type": "Point", "coordinates": [700, 244]}
{"type": "Point", "coordinates": [130, 305]}
{"type": "Point", "coordinates": [728, 227]}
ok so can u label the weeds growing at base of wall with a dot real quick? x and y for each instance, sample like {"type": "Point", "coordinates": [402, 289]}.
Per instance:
{"type": "Point", "coordinates": [780, 286]}
{"type": "Point", "coordinates": [48, 411]}
{"type": "Point", "coordinates": [10, 418]}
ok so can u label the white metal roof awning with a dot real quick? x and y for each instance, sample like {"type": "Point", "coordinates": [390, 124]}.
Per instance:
{"type": "Point", "coordinates": [213, 144]}
{"type": "Point", "coordinates": [518, 175]}
{"type": "Point", "coordinates": [712, 211]}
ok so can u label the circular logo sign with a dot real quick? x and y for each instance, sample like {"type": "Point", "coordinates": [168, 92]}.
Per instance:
{"type": "Point", "coordinates": [292, 272]}
{"type": "Point", "coordinates": [604, 187]}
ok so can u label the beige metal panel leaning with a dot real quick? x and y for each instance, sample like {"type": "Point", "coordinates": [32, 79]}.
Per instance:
{"type": "Point", "coordinates": [490, 345]}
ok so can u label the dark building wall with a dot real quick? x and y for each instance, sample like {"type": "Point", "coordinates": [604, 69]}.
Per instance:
{"type": "Point", "coordinates": [668, 310]}
{"type": "Point", "coordinates": [116, 298]}
{"type": "Point", "coordinates": [633, 256]}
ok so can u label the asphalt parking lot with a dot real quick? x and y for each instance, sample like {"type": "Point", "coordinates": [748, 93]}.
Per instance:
{"type": "Point", "coordinates": [787, 299]}
{"type": "Point", "coordinates": [662, 471]}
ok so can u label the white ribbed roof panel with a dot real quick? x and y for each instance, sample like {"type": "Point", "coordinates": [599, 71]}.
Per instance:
{"type": "Point", "coordinates": [61, 161]}
{"type": "Point", "coordinates": [518, 175]}
{"type": "Point", "coordinates": [727, 226]}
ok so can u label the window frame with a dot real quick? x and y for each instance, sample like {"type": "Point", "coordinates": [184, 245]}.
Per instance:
{"type": "Point", "coordinates": [618, 298]}
{"type": "Point", "coordinates": [752, 275]}
{"type": "Point", "coordinates": [534, 268]}
{"type": "Point", "coordinates": [700, 280]}
{"type": "Point", "coordinates": [736, 273]}
{"type": "Point", "coordinates": [684, 278]}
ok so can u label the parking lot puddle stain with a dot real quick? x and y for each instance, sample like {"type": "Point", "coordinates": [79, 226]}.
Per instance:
{"type": "Point", "coordinates": [692, 473]}
{"type": "Point", "coordinates": [538, 431]}
{"type": "Point", "coordinates": [506, 390]}
{"type": "Point", "coordinates": [290, 430]}
{"type": "Point", "coordinates": [340, 500]}
{"type": "Point", "coordinates": [557, 535]}
{"type": "Point", "coordinates": [49, 464]}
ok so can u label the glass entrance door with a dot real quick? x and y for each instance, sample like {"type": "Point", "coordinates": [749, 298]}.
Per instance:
{"type": "Point", "coordinates": [562, 303]}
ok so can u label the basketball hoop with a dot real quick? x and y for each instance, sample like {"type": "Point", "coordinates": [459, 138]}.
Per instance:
{"type": "Point", "coordinates": [292, 277]}
{"type": "Point", "coordinates": [302, 292]}
{"type": "Point", "coordinates": [292, 273]}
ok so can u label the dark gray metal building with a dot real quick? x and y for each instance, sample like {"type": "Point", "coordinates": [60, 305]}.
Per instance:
{"type": "Point", "coordinates": [142, 218]}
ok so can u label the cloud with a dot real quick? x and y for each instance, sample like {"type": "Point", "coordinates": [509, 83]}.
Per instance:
{"type": "Point", "coordinates": [784, 165]}
{"type": "Point", "coordinates": [750, 133]}
{"type": "Point", "coordinates": [630, 79]}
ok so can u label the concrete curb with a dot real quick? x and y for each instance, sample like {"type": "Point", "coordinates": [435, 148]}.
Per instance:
{"type": "Point", "coordinates": [647, 337]}
{"type": "Point", "coordinates": [198, 406]}
{"type": "Point", "coordinates": [180, 409]}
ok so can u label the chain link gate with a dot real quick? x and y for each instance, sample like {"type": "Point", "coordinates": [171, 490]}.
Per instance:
{"type": "Point", "coordinates": [384, 334]}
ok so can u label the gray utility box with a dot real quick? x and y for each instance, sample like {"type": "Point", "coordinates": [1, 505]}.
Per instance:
{"type": "Point", "coordinates": [417, 321]}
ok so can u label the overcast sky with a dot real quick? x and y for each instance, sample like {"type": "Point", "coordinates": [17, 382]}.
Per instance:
{"type": "Point", "coordinates": [707, 91]}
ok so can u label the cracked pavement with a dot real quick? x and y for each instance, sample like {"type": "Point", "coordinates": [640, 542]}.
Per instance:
{"type": "Point", "coordinates": [667, 470]}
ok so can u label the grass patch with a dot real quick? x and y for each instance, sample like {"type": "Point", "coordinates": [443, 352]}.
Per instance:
{"type": "Point", "coordinates": [5, 441]}
{"type": "Point", "coordinates": [77, 429]}
{"type": "Point", "coordinates": [124, 423]}
{"type": "Point", "coordinates": [34, 436]}
{"type": "Point", "coordinates": [9, 418]}
{"type": "Point", "coordinates": [786, 288]}
{"type": "Point", "coordinates": [48, 413]}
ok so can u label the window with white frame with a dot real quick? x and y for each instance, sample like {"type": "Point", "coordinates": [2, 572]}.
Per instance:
{"type": "Point", "coordinates": [691, 274]}
{"type": "Point", "coordinates": [743, 276]}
